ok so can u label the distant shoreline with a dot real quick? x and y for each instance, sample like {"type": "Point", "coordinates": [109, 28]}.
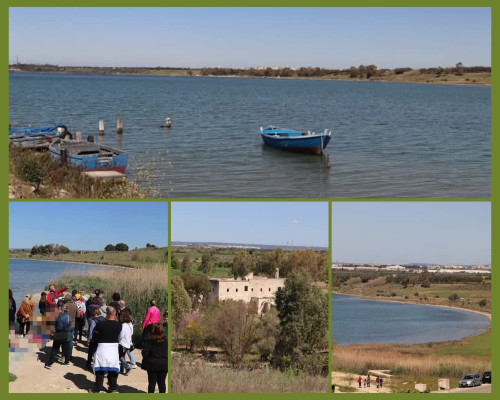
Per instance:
{"type": "Point", "coordinates": [486, 314]}
{"type": "Point", "coordinates": [72, 262]}
{"type": "Point", "coordinates": [381, 80]}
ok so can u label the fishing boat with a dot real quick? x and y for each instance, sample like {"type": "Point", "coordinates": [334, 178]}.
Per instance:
{"type": "Point", "coordinates": [302, 142]}
{"type": "Point", "coordinates": [89, 155]}
{"type": "Point", "coordinates": [38, 137]}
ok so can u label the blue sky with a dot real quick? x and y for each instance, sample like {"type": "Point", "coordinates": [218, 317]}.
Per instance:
{"type": "Point", "coordinates": [405, 232]}
{"type": "Point", "coordinates": [88, 225]}
{"type": "Point", "coordinates": [273, 223]}
{"type": "Point", "coordinates": [243, 37]}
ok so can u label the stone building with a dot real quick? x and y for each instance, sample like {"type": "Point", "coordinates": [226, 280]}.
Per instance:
{"type": "Point", "coordinates": [250, 289]}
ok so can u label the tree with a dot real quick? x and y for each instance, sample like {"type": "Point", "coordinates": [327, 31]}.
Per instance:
{"type": "Point", "coordinates": [207, 264]}
{"type": "Point", "coordinates": [110, 247]}
{"type": "Point", "coordinates": [121, 247]}
{"type": "Point", "coordinates": [243, 263]}
{"type": "Point", "coordinates": [197, 287]}
{"type": "Point", "coordinates": [303, 329]}
{"type": "Point", "coordinates": [271, 260]}
{"type": "Point", "coordinates": [267, 327]}
{"type": "Point", "coordinates": [237, 331]}
{"type": "Point", "coordinates": [175, 263]}
{"type": "Point", "coordinates": [180, 304]}
{"type": "Point", "coordinates": [186, 264]}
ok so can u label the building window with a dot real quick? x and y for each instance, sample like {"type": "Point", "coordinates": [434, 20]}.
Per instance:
{"type": "Point", "coordinates": [269, 289]}
{"type": "Point", "coordinates": [227, 290]}
{"type": "Point", "coordinates": [246, 288]}
{"type": "Point", "coordinates": [261, 289]}
{"type": "Point", "coordinates": [236, 289]}
{"type": "Point", "coordinates": [252, 289]}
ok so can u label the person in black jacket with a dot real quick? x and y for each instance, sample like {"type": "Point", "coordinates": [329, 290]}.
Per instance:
{"type": "Point", "coordinates": [155, 359]}
{"type": "Point", "coordinates": [12, 310]}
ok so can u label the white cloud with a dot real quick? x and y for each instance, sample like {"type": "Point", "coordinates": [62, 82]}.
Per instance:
{"type": "Point", "coordinates": [294, 221]}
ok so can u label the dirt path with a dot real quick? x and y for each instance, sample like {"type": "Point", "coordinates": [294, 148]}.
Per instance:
{"type": "Point", "coordinates": [27, 363]}
{"type": "Point", "coordinates": [351, 380]}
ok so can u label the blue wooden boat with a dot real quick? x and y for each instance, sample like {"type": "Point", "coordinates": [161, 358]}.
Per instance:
{"type": "Point", "coordinates": [89, 155]}
{"type": "Point", "coordinates": [302, 142]}
{"type": "Point", "coordinates": [38, 137]}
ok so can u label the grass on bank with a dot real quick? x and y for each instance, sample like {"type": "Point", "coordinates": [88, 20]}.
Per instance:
{"type": "Point", "coordinates": [422, 363]}
{"type": "Point", "coordinates": [149, 257]}
{"type": "Point", "coordinates": [193, 375]}
{"type": "Point", "coordinates": [136, 286]}
{"type": "Point", "coordinates": [35, 174]}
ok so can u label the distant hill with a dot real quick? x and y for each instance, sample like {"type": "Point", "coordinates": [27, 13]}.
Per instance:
{"type": "Point", "coordinates": [246, 245]}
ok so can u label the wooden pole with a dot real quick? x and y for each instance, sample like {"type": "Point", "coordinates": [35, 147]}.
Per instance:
{"type": "Point", "coordinates": [168, 122]}
{"type": "Point", "coordinates": [64, 156]}
{"type": "Point", "coordinates": [78, 136]}
{"type": "Point", "coordinates": [119, 126]}
{"type": "Point", "coordinates": [328, 160]}
{"type": "Point", "coordinates": [101, 127]}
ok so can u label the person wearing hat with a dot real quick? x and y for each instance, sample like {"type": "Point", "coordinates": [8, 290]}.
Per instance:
{"type": "Point", "coordinates": [61, 337]}
{"type": "Point", "coordinates": [80, 319]}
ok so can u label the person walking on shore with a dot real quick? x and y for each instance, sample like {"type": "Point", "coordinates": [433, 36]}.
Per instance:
{"type": "Point", "coordinates": [73, 313]}
{"type": "Point", "coordinates": [152, 317]}
{"type": "Point", "coordinates": [25, 315]}
{"type": "Point", "coordinates": [381, 381]}
{"type": "Point", "coordinates": [377, 381]}
{"type": "Point", "coordinates": [42, 304]}
{"type": "Point", "coordinates": [155, 358]}
{"type": "Point", "coordinates": [125, 340]}
{"type": "Point", "coordinates": [53, 296]}
{"type": "Point", "coordinates": [12, 310]}
{"type": "Point", "coordinates": [359, 382]}
{"type": "Point", "coordinates": [92, 340]}
{"type": "Point", "coordinates": [106, 358]}
{"type": "Point", "coordinates": [129, 352]}
{"type": "Point", "coordinates": [368, 380]}
{"type": "Point", "coordinates": [61, 338]}
{"type": "Point", "coordinates": [80, 319]}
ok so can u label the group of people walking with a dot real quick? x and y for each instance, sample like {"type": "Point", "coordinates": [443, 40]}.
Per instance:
{"type": "Point", "coordinates": [109, 328]}
{"type": "Point", "coordinates": [366, 382]}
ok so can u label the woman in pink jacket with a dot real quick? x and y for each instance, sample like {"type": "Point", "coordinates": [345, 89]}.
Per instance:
{"type": "Point", "coordinates": [152, 317]}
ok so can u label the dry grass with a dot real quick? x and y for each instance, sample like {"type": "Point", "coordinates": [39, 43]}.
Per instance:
{"type": "Point", "coordinates": [136, 286]}
{"type": "Point", "coordinates": [417, 360]}
{"type": "Point", "coordinates": [200, 377]}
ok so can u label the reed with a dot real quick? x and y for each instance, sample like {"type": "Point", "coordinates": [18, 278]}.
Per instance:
{"type": "Point", "coordinates": [405, 360]}
{"type": "Point", "coordinates": [201, 377]}
{"type": "Point", "coordinates": [136, 286]}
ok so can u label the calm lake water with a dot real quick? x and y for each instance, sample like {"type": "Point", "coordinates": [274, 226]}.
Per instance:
{"type": "Point", "coordinates": [31, 276]}
{"type": "Point", "coordinates": [365, 321]}
{"type": "Point", "coordinates": [389, 139]}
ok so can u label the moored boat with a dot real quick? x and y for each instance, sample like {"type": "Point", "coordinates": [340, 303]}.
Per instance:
{"type": "Point", "coordinates": [37, 137]}
{"type": "Point", "coordinates": [302, 142]}
{"type": "Point", "coordinates": [89, 155]}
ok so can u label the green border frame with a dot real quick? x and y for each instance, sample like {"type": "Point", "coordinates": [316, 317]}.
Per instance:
{"type": "Point", "coordinates": [495, 186]}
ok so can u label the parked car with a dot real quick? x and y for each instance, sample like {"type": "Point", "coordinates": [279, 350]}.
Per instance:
{"type": "Point", "coordinates": [486, 377]}
{"type": "Point", "coordinates": [470, 380]}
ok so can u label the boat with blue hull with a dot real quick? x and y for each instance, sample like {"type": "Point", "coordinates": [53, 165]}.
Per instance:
{"type": "Point", "coordinates": [291, 140]}
{"type": "Point", "coordinates": [37, 137]}
{"type": "Point", "coordinates": [89, 155]}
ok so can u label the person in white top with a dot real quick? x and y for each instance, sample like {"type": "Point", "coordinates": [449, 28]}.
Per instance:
{"type": "Point", "coordinates": [125, 340]}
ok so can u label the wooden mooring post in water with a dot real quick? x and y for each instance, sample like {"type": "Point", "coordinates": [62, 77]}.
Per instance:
{"type": "Point", "coordinates": [168, 122]}
{"type": "Point", "coordinates": [101, 127]}
{"type": "Point", "coordinates": [119, 126]}
{"type": "Point", "coordinates": [64, 156]}
{"type": "Point", "coordinates": [78, 136]}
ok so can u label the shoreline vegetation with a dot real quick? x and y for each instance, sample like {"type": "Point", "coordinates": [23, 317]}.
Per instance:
{"type": "Point", "coordinates": [145, 258]}
{"type": "Point", "coordinates": [456, 75]}
{"type": "Point", "coordinates": [35, 174]}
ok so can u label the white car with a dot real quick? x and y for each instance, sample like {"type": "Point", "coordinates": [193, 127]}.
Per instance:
{"type": "Point", "coordinates": [470, 380]}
